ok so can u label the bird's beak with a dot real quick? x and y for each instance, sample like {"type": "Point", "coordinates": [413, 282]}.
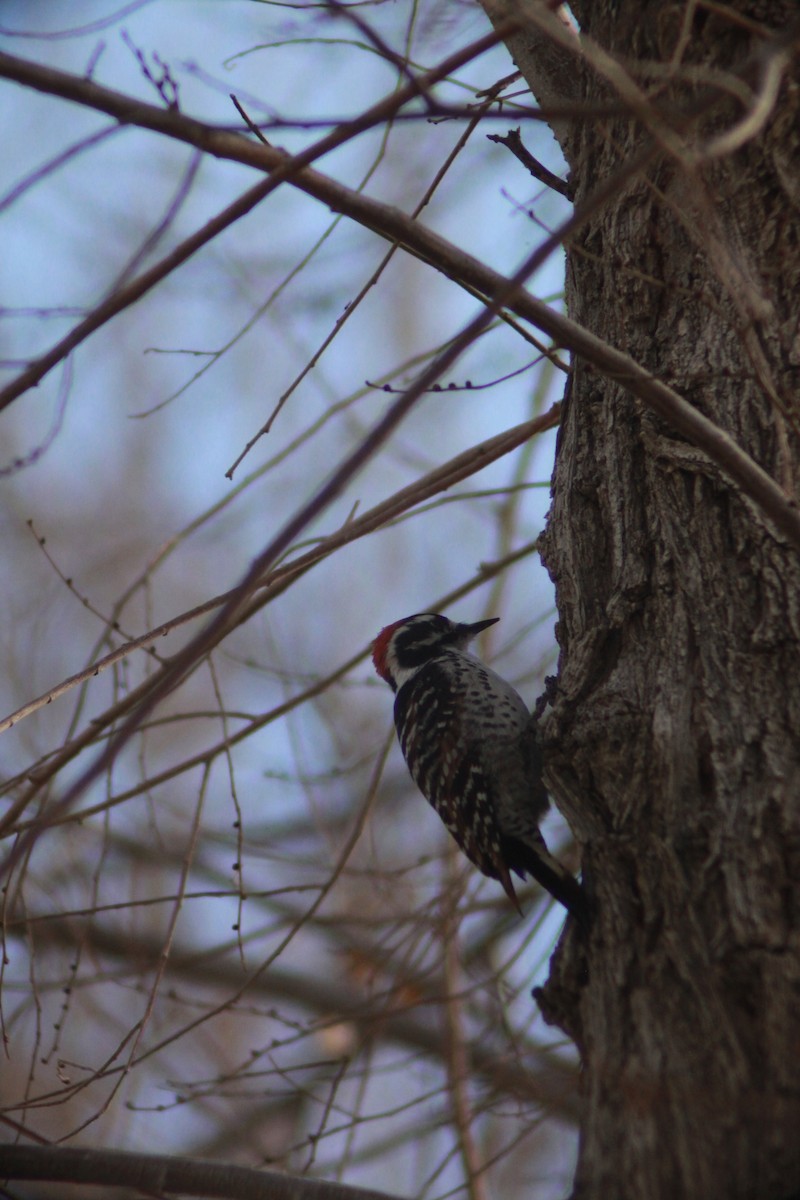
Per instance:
{"type": "Point", "coordinates": [479, 626]}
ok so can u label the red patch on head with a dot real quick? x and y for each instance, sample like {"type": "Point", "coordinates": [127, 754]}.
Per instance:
{"type": "Point", "coordinates": [380, 649]}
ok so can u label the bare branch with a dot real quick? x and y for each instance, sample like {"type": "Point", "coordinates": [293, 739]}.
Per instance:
{"type": "Point", "coordinates": [461, 467]}
{"type": "Point", "coordinates": [159, 1173]}
{"type": "Point", "coordinates": [513, 141]}
{"type": "Point", "coordinates": [456, 264]}
{"type": "Point", "coordinates": [547, 1079]}
{"type": "Point", "coordinates": [543, 49]}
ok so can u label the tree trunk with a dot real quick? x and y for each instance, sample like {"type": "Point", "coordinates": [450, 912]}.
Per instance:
{"type": "Point", "coordinates": [673, 743]}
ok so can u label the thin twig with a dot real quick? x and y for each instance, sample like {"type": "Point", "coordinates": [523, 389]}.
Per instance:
{"type": "Point", "coordinates": [204, 137]}
{"type": "Point", "coordinates": [390, 223]}
{"type": "Point", "coordinates": [202, 758]}
{"type": "Point", "coordinates": [513, 141]}
{"type": "Point", "coordinates": [461, 467]}
{"type": "Point", "coordinates": [458, 1065]}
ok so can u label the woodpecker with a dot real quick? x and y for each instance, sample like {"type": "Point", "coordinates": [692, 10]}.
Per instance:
{"type": "Point", "coordinates": [470, 745]}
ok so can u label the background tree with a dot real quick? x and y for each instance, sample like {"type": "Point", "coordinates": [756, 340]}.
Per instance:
{"type": "Point", "coordinates": [231, 930]}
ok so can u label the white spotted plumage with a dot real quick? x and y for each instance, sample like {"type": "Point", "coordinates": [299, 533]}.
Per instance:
{"type": "Point", "coordinates": [471, 747]}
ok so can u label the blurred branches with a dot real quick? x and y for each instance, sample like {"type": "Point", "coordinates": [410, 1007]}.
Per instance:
{"type": "Point", "coordinates": [167, 1174]}
{"type": "Point", "coordinates": [457, 265]}
{"type": "Point", "coordinates": [248, 941]}
{"type": "Point", "coordinates": [233, 946]}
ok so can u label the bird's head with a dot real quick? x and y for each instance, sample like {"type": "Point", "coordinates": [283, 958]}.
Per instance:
{"type": "Point", "coordinates": [400, 649]}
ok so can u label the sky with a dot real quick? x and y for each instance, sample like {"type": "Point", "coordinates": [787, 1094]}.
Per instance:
{"type": "Point", "coordinates": [116, 504]}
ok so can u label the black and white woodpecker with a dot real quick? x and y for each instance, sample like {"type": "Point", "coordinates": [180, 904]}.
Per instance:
{"type": "Point", "coordinates": [470, 745]}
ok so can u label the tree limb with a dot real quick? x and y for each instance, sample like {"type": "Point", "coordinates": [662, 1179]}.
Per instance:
{"type": "Point", "coordinates": [159, 1173]}
{"type": "Point", "coordinates": [394, 225]}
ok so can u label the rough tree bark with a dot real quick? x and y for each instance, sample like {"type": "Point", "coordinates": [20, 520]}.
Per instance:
{"type": "Point", "coordinates": [673, 743]}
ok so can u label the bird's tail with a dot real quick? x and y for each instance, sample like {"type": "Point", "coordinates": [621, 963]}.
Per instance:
{"type": "Point", "coordinates": [532, 857]}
